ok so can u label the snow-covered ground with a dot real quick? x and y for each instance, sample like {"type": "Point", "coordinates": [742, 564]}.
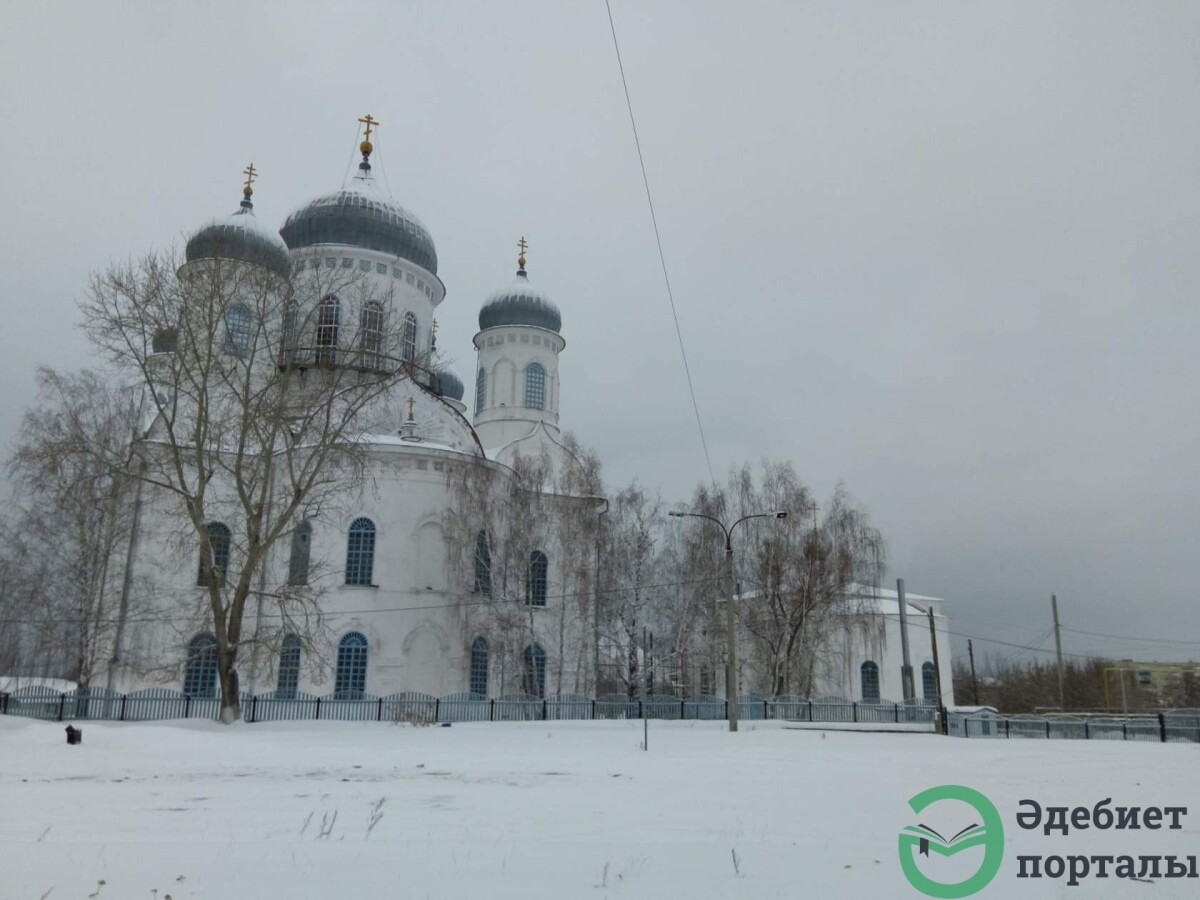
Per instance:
{"type": "Point", "coordinates": [537, 810]}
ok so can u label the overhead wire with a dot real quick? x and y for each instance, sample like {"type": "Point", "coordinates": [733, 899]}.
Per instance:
{"type": "Point", "coordinates": [658, 241]}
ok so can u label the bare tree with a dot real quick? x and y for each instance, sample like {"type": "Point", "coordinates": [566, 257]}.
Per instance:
{"type": "Point", "coordinates": [260, 389]}
{"type": "Point", "coordinates": [805, 583]}
{"type": "Point", "coordinates": [69, 522]}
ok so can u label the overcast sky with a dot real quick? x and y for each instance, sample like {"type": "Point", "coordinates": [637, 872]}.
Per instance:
{"type": "Point", "coordinates": [944, 253]}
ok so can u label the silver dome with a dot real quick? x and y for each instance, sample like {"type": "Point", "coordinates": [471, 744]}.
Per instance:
{"type": "Point", "coordinates": [240, 237]}
{"type": "Point", "coordinates": [520, 304]}
{"type": "Point", "coordinates": [361, 216]}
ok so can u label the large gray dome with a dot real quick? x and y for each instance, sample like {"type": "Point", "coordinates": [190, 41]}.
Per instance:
{"type": "Point", "coordinates": [520, 304]}
{"type": "Point", "coordinates": [361, 216]}
{"type": "Point", "coordinates": [241, 238]}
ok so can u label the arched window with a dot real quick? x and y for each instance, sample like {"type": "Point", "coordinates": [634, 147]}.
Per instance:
{"type": "Point", "coordinates": [929, 685]}
{"type": "Point", "coordinates": [535, 386]}
{"type": "Point", "coordinates": [218, 541]}
{"type": "Point", "coordinates": [360, 552]}
{"type": "Point", "coordinates": [289, 668]}
{"type": "Point", "coordinates": [870, 682]}
{"type": "Point", "coordinates": [480, 391]}
{"type": "Point", "coordinates": [370, 331]}
{"type": "Point", "coordinates": [200, 675]}
{"type": "Point", "coordinates": [351, 679]}
{"type": "Point", "coordinates": [479, 667]}
{"type": "Point", "coordinates": [408, 348]}
{"type": "Point", "coordinates": [329, 316]}
{"type": "Point", "coordinates": [535, 586]}
{"type": "Point", "coordinates": [301, 551]}
{"type": "Point", "coordinates": [534, 680]}
{"type": "Point", "coordinates": [239, 328]}
{"type": "Point", "coordinates": [483, 563]}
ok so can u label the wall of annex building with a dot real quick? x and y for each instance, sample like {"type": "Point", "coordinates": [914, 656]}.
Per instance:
{"type": "Point", "coordinates": [420, 613]}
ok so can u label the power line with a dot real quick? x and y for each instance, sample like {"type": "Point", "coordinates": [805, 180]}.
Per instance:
{"type": "Point", "coordinates": [658, 240]}
{"type": "Point", "coordinates": [1128, 637]}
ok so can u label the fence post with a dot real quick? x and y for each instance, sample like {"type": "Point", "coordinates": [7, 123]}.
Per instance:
{"type": "Point", "coordinates": [1087, 730]}
{"type": "Point", "coordinates": [854, 703]}
{"type": "Point", "coordinates": [437, 709]}
{"type": "Point", "coordinates": [1162, 726]}
{"type": "Point", "coordinates": [492, 710]}
{"type": "Point", "coordinates": [682, 713]}
{"type": "Point", "coordinates": [810, 718]}
{"type": "Point", "coordinates": [1125, 730]}
{"type": "Point", "coordinates": [544, 710]}
{"type": "Point", "coordinates": [726, 707]}
{"type": "Point", "coordinates": [593, 708]}
{"type": "Point", "coordinates": [187, 707]}
{"type": "Point", "coordinates": [1047, 729]}
{"type": "Point", "coordinates": [62, 701]}
{"type": "Point", "coordinates": [123, 697]}
{"type": "Point", "coordinates": [1006, 732]}
{"type": "Point", "coordinates": [896, 710]}
{"type": "Point", "coordinates": [318, 709]}
{"type": "Point", "coordinates": [254, 708]}
{"type": "Point", "coordinates": [379, 710]}
{"type": "Point", "coordinates": [641, 709]}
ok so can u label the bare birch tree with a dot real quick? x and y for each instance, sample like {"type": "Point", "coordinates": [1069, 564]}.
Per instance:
{"type": "Point", "coordinates": [260, 390]}
{"type": "Point", "coordinates": [69, 521]}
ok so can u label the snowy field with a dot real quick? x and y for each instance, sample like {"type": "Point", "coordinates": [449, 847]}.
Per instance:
{"type": "Point", "coordinates": [537, 810]}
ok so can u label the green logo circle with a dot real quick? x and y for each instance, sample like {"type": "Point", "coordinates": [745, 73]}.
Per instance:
{"type": "Point", "coordinates": [920, 839]}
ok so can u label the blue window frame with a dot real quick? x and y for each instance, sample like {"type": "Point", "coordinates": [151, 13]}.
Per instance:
{"type": "Point", "coordinates": [239, 328]}
{"type": "Point", "coordinates": [200, 675]}
{"type": "Point", "coordinates": [479, 667]}
{"type": "Point", "coordinates": [483, 564]}
{"type": "Point", "coordinates": [218, 540]}
{"type": "Point", "coordinates": [480, 391]}
{"type": "Point", "coordinates": [350, 681]}
{"type": "Point", "coordinates": [408, 349]}
{"type": "Point", "coordinates": [289, 668]}
{"type": "Point", "coordinates": [929, 685]}
{"type": "Point", "coordinates": [360, 551]}
{"type": "Point", "coordinates": [535, 586]}
{"type": "Point", "coordinates": [534, 680]}
{"type": "Point", "coordinates": [301, 552]}
{"type": "Point", "coordinates": [535, 386]}
{"type": "Point", "coordinates": [870, 682]}
{"type": "Point", "coordinates": [329, 316]}
{"type": "Point", "coordinates": [370, 328]}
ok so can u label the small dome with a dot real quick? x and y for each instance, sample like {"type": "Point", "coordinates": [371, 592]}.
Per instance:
{"type": "Point", "coordinates": [520, 304]}
{"type": "Point", "coordinates": [240, 237]}
{"type": "Point", "coordinates": [448, 384]}
{"type": "Point", "coordinates": [361, 216]}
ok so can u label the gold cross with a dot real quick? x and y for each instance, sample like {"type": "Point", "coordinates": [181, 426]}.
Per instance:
{"type": "Point", "coordinates": [369, 121]}
{"type": "Point", "coordinates": [433, 331]}
{"type": "Point", "coordinates": [249, 172]}
{"type": "Point", "coordinates": [523, 246]}
{"type": "Point", "coordinates": [411, 401]}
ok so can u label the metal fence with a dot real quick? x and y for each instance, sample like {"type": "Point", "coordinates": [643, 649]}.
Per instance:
{"type": "Point", "coordinates": [164, 703]}
{"type": "Point", "coordinates": [1169, 726]}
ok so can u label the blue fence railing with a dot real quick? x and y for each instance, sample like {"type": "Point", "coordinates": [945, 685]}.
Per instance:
{"type": "Point", "coordinates": [1168, 726]}
{"type": "Point", "coordinates": [164, 703]}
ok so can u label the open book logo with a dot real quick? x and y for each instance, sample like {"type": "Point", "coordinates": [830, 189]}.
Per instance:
{"type": "Point", "coordinates": [986, 830]}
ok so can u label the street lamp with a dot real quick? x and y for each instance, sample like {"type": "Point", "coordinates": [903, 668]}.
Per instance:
{"type": "Point", "coordinates": [731, 678]}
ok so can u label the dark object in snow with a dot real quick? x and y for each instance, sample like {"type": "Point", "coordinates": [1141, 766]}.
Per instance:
{"type": "Point", "coordinates": [445, 724]}
{"type": "Point", "coordinates": [74, 735]}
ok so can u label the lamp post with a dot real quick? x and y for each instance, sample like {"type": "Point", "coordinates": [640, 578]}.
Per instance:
{"type": "Point", "coordinates": [731, 676]}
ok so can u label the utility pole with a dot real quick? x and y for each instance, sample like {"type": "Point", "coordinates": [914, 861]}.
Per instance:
{"type": "Point", "coordinates": [1062, 694]}
{"type": "Point", "coordinates": [974, 680]}
{"type": "Point", "coordinates": [596, 603]}
{"type": "Point", "coordinates": [731, 628]}
{"type": "Point", "coordinates": [906, 670]}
